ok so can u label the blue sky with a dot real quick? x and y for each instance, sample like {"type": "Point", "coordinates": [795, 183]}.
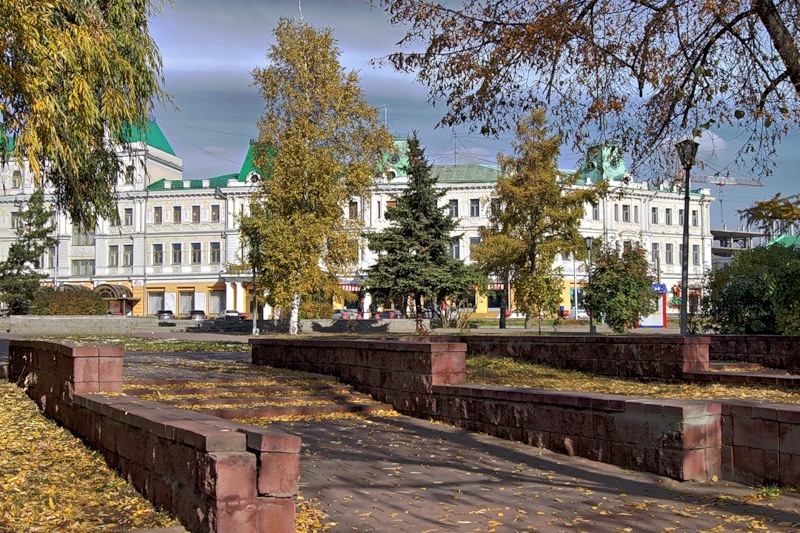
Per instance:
{"type": "Point", "coordinates": [209, 48]}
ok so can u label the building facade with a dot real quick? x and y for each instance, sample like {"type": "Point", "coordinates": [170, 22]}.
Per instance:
{"type": "Point", "coordinates": [177, 238]}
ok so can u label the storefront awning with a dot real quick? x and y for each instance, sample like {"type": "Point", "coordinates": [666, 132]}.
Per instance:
{"type": "Point", "coordinates": [108, 291]}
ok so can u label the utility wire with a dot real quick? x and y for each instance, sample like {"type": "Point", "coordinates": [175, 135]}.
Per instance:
{"type": "Point", "coordinates": [202, 149]}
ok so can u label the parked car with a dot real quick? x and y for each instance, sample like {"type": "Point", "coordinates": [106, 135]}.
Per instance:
{"type": "Point", "coordinates": [391, 313]}
{"type": "Point", "coordinates": [230, 313]}
{"type": "Point", "coordinates": [165, 314]}
{"type": "Point", "coordinates": [197, 314]}
{"type": "Point", "coordinates": [344, 314]}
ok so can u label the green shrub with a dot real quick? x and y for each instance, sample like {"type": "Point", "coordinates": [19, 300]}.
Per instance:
{"type": "Point", "coordinates": [51, 302]}
{"type": "Point", "coordinates": [757, 293]}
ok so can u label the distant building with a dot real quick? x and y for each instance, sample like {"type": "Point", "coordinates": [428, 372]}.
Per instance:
{"type": "Point", "coordinates": [178, 237]}
{"type": "Point", "coordinates": [631, 212]}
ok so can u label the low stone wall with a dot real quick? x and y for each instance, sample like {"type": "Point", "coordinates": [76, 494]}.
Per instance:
{"type": "Point", "coordinates": [87, 325]}
{"type": "Point", "coordinates": [214, 475]}
{"type": "Point", "coordinates": [402, 373]}
{"type": "Point", "coordinates": [427, 380]}
{"type": "Point", "coordinates": [367, 325]}
{"type": "Point", "coordinates": [652, 356]}
{"type": "Point", "coordinates": [761, 442]}
{"type": "Point", "coordinates": [772, 351]}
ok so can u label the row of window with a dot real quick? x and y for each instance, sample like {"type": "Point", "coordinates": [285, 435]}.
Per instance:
{"type": "Point", "coordinates": [626, 212]}
{"type": "Point", "coordinates": [187, 300]}
{"type": "Point", "coordinates": [176, 254]}
{"type": "Point", "coordinates": [654, 217]}
{"type": "Point", "coordinates": [669, 255]}
{"type": "Point", "coordinates": [453, 208]}
{"type": "Point", "coordinates": [177, 214]}
{"type": "Point", "coordinates": [669, 252]}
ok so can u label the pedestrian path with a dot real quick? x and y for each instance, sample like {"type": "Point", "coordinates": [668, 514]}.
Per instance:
{"type": "Point", "coordinates": [396, 473]}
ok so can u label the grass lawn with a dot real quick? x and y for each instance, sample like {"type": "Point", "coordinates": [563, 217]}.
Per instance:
{"type": "Point", "coordinates": [506, 371]}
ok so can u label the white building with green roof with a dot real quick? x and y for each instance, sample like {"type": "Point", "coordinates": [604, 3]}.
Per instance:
{"type": "Point", "coordinates": [177, 237]}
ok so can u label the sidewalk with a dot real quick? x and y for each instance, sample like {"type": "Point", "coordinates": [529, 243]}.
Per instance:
{"type": "Point", "coordinates": [403, 474]}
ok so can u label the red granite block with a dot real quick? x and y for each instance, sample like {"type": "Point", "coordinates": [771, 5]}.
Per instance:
{"type": "Point", "coordinates": [702, 432]}
{"type": "Point", "coordinates": [756, 433]}
{"type": "Point", "coordinates": [85, 369]}
{"type": "Point", "coordinates": [755, 465]}
{"type": "Point", "coordinates": [789, 439]}
{"type": "Point", "coordinates": [275, 515]}
{"type": "Point", "coordinates": [109, 369]}
{"type": "Point", "coordinates": [789, 468]}
{"type": "Point", "coordinates": [229, 476]}
{"type": "Point", "coordinates": [278, 474]}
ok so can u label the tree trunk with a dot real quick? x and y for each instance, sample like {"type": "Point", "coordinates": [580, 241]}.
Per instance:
{"type": "Point", "coordinates": [418, 314]}
{"type": "Point", "coordinates": [782, 39]}
{"type": "Point", "coordinates": [294, 316]}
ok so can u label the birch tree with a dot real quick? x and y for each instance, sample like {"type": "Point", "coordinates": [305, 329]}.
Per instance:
{"type": "Point", "coordinates": [320, 145]}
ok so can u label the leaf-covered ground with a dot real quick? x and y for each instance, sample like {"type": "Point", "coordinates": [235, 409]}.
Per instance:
{"type": "Point", "coordinates": [506, 371]}
{"type": "Point", "coordinates": [142, 344]}
{"type": "Point", "coordinates": [51, 482]}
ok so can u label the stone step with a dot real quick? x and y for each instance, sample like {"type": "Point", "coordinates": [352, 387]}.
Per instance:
{"type": "Point", "coordinates": [278, 390]}
{"type": "Point", "coordinates": [159, 383]}
{"type": "Point", "coordinates": [295, 410]}
{"type": "Point", "coordinates": [733, 366]}
{"type": "Point", "coordinates": [350, 398]}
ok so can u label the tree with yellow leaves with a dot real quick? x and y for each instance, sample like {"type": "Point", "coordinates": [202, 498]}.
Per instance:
{"type": "Point", "coordinates": [75, 77]}
{"type": "Point", "coordinates": [536, 214]}
{"type": "Point", "coordinates": [320, 144]}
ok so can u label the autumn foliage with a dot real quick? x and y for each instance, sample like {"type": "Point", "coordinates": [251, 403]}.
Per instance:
{"type": "Point", "coordinates": [620, 287]}
{"type": "Point", "coordinates": [51, 302]}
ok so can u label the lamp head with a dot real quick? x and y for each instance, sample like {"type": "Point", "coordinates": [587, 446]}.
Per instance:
{"type": "Point", "coordinates": [588, 241]}
{"type": "Point", "coordinates": [687, 150]}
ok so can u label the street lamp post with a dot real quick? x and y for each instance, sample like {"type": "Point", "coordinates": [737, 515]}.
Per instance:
{"type": "Point", "coordinates": [255, 304]}
{"type": "Point", "coordinates": [687, 150]}
{"type": "Point", "coordinates": [589, 241]}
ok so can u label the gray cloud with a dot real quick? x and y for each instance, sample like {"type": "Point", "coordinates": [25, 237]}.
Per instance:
{"type": "Point", "coordinates": [210, 47]}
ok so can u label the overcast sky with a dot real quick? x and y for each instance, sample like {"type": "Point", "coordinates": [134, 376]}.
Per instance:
{"type": "Point", "coordinates": [209, 48]}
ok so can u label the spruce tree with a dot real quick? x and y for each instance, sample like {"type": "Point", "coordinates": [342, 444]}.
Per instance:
{"type": "Point", "coordinates": [19, 282]}
{"type": "Point", "coordinates": [414, 259]}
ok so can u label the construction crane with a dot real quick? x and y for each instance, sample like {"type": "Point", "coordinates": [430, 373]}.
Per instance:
{"type": "Point", "coordinates": [722, 181]}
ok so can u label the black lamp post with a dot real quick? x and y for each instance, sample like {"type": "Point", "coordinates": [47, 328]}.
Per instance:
{"type": "Point", "coordinates": [687, 150]}
{"type": "Point", "coordinates": [589, 241]}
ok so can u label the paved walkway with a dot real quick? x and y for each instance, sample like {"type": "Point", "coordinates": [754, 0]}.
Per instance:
{"type": "Point", "coordinates": [404, 474]}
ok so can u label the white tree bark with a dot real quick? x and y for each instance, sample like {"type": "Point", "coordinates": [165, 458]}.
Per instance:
{"type": "Point", "coordinates": [294, 315]}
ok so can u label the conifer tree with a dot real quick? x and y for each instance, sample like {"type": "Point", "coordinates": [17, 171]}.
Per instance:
{"type": "Point", "coordinates": [414, 260]}
{"type": "Point", "coordinates": [19, 280]}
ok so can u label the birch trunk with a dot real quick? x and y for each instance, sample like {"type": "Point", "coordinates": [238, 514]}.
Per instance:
{"type": "Point", "coordinates": [294, 315]}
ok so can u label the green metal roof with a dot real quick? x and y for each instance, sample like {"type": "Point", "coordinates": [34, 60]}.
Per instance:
{"type": "Point", "coordinates": [249, 164]}
{"type": "Point", "coordinates": [786, 240]}
{"type": "Point", "coordinates": [152, 136]}
{"type": "Point", "coordinates": [221, 181]}
{"type": "Point", "coordinates": [602, 162]}
{"type": "Point", "coordinates": [466, 173]}
{"type": "Point", "coordinates": [176, 185]}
